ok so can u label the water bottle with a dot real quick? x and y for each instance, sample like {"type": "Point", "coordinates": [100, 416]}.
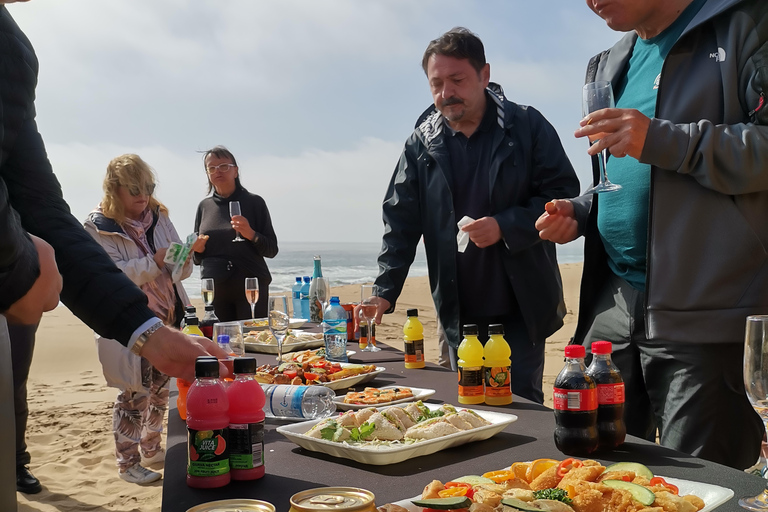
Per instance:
{"type": "Point", "coordinates": [335, 331]}
{"type": "Point", "coordinates": [308, 402]}
{"type": "Point", "coordinates": [305, 298]}
{"type": "Point", "coordinates": [296, 295]}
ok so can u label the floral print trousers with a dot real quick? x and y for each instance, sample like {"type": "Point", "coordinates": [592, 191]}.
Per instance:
{"type": "Point", "coordinates": [137, 417]}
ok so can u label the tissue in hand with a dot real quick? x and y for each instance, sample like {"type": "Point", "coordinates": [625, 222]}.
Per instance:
{"type": "Point", "coordinates": [462, 238]}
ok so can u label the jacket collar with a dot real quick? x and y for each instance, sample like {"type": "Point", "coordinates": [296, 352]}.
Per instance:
{"type": "Point", "coordinates": [104, 223]}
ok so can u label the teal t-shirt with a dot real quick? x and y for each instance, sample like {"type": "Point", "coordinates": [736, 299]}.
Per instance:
{"type": "Point", "coordinates": [622, 217]}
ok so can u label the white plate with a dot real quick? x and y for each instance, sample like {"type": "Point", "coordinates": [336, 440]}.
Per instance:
{"type": "Point", "coordinates": [349, 382]}
{"type": "Point", "coordinates": [418, 394]}
{"type": "Point", "coordinates": [294, 323]}
{"type": "Point", "coordinates": [269, 348]}
{"type": "Point", "coordinates": [713, 495]}
{"type": "Point", "coordinates": [381, 454]}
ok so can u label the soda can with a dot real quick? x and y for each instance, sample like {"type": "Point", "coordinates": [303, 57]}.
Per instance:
{"type": "Point", "coordinates": [352, 334]}
{"type": "Point", "coordinates": [336, 499]}
{"type": "Point", "coordinates": [236, 505]}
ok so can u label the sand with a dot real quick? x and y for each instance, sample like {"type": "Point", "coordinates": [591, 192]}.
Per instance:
{"type": "Point", "coordinates": [70, 424]}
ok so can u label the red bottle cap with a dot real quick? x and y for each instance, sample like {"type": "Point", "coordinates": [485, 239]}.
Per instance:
{"type": "Point", "coordinates": [575, 351]}
{"type": "Point", "coordinates": [602, 347]}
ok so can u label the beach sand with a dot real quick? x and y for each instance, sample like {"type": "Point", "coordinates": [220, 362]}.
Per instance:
{"type": "Point", "coordinates": [70, 423]}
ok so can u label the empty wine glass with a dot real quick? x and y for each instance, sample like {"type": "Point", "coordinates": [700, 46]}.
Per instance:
{"type": "Point", "coordinates": [235, 332]}
{"type": "Point", "coordinates": [206, 290]}
{"type": "Point", "coordinates": [278, 320]}
{"type": "Point", "coordinates": [234, 209]}
{"type": "Point", "coordinates": [597, 96]}
{"type": "Point", "coordinates": [756, 385]}
{"type": "Point", "coordinates": [323, 291]}
{"type": "Point", "coordinates": [252, 294]}
{"type": "Point", "coordinates": [367, 312]}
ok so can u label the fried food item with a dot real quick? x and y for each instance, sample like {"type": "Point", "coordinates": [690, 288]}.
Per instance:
{"type": "Point", "coordinates": [547, 480]}
{"type": "Point", "coordinates": [481, 507]}
{"type": "Point", "coordinates": [486, 496]}
{"type": "Point", "coordinates": [372, 396]}
{"type": "Point", "coordinates": [351, 371]}
{"type": "Point", "coordinates": [519, 493]}
{"type": "Point", "coordinates": [585, 473]}
{"type": "Point", "coordinates": [672, 502]}
{"type": "Point", "coordinates": [391, 507]}
{"type": "Point", "coordinates": [432, 489]}
{"type": "Point", "coordinates": [618, 475]}
{"type": "Point", "coordinates": [695, 501]}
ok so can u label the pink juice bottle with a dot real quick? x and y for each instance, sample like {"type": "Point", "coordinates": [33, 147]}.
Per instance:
{"type": "Point", "coordinates": [246, 422]}
{"type": "Point", "coordinates": [207, 427]}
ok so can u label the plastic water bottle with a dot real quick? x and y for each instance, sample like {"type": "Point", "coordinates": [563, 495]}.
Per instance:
{"type": "Point", "coordinates": [335, 331]}
{"type": "Point", "coordinates": [308, 402]}
{"type": "Point", "coordinates": [305, 298]}
{"type": "Point", "coordinates": [296, 295]}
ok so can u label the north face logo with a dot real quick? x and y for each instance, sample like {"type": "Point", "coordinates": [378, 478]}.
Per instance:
{"type": "Point", "coordinates": [719, 56]}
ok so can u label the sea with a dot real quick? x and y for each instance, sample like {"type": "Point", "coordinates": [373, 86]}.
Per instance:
{"type": "Point", "coordinates": [347, 263]}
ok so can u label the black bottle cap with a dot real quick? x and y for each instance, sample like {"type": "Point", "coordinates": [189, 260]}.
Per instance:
{"type": "Point", "coordinates": [206, 366]}
{"type": "Point", "coordinates": [469, 330]}
{"type": "Point", "coordinates": [245, 365]}
{"type": "Point", "coordinates": [190, 309]}
{"type": "Point", "coordinates": [192, 320]}
{"type": "Point", "coordinates": [496, 329]}
{"type": "Point", "coordinates": [413, 312]}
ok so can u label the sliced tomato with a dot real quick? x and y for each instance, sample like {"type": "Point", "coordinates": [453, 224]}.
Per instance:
{"type": "Point", "coordinates": [334, 367]}
{"type": "Point", "coordinates": [310, 376]}
{"type": "Point", "coordinates": [290, 373]}
{"type": "Point", "coordinates": [657, 480]}
{"type": "Point", "coordinates": [320, 364]}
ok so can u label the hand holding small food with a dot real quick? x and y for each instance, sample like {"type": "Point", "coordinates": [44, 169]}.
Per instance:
{"type": "Point", "coordinates": [241, 225]}
{"type": "Point", "coordinates": [558, 222]}
{"type": "Point", "coordinates": [159, 257]}
{"type": "Point", "coordinates": [620, 130]}
{"type": "Point", "coordinates": [199, 245]}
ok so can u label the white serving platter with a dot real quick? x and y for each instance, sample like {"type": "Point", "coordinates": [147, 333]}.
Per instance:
{"type": "Point", "coordinates": [294, 323]}
{"type": "Point", "coordinates": [418, 394]}
{"type": "Point", "coordinates": [271, 348]}
{"type": "Point", "coordinates": [379, 455]}
{"type": "Point", "coordinates": [713, 495]}
{"type": "Point", "coordinates": [349, 382]}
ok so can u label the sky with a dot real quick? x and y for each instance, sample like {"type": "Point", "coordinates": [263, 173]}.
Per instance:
{"type": "Point", "coordinates": [315, 98]}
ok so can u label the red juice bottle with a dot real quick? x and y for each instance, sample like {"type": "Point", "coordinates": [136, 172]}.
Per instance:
{"type": "Point", "coordinates": [246, 422]}
{"type": "Point", "coordinates": [207, 427]}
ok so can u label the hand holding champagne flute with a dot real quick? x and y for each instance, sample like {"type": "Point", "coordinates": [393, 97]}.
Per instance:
{"type": "Point", "coordinates": [252, 293]}
{"type": "Point", "coordinates": [597, 96]}
{"type": "Point", "coordinates": [234, 210]}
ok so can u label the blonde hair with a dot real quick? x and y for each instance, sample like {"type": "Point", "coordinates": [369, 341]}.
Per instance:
{"type": "Point", "coordinates": [128, 171]}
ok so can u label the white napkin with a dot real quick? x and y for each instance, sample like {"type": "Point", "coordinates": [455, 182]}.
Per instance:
{"type": "Point", "coordinates": [462, 238]}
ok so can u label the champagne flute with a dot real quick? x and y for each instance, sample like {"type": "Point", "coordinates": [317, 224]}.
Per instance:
{"type": "Point", "coordinates": [234, 209]}
{"type": "Point", "coordinates": [206, 289]}
{"type": "Point", "coordinates": [368, 313]}
{"type": "Point", "coordinates": [323, 291]}
{"type": "Point", "coordinates": [278, 320]}
{"type": "Point", "coordinates": [597, 96]}
{"type": "Point", "coordinates": [252, 294]}
{"type": "Point", "coordinates": [756, 385]}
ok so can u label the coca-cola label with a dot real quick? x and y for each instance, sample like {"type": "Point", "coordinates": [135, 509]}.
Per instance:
{"type": "Point", "coordinates": [575, 399]}
{"type": "Point", "coordinates": [610, 394]}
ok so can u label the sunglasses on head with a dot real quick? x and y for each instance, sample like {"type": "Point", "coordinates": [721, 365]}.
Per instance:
{"type": "Point", "coordinates": [134, 190]}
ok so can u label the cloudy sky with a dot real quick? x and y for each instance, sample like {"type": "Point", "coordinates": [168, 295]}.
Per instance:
{"type": "Point", "coordinates": [314, 97]}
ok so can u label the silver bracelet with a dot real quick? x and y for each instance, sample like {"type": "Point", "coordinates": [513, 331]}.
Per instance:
{"type": "Point", "coordinates": [143, 337]}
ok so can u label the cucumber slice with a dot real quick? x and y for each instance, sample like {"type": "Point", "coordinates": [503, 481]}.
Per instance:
{"type": "Point", "coordinates": [634, 467]}
{"type": "Point", "coordinates": [640, 493]}
{"type": "Point", "coordinates": [473, 480]}
{"type": "Point", "coordinates": [520, 505]}
{"type": "Point", "coordinates": [444, 503]}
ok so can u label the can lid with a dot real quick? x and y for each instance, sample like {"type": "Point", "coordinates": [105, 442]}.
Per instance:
{"type": "Point", "coordinates": [601, 347]}
{"type": "Point", "coordinates": [412, 312]}
{"type": "Point", "coordinates": [206, 366]}
{"type": "Point", "coordinates": [469, 329]}
{"type": "Point", "coordinates": [575, 351]}
{"type": "Point", "coordinates": [235, 505]}
{"type": "Point", "coordinates": [496, 329]}
{"type": "Point", "coordinates": [245, 365]}
{"type": "Point", "coordinates": [346, 499]}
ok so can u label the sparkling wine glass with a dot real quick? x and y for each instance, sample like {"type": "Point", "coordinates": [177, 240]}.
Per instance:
{"type": "Point", "coordinates": [252, 294]}
{"type": "Point", "coordinates": [756, 385]}
{"type": "Point", "coordinates": [278, 320]}
{"type": "Point", "coordinates": [234, 209]}
{"type": "Point", "coordinates": [597, 96]}
{"type": "Point", "coordinates": [323, 291]}
{"type": "Point", "coordinates": [206, 290]}
{"type": "Point", "coordinates": [368, 313]}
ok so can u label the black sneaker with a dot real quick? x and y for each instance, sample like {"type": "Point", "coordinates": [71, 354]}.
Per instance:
{"type": "Point", "coordinates": [26, 481]}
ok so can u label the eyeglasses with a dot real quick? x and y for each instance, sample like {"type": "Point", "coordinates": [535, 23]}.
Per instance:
{"type": "Point", "coordinates": [135, 190]}
{"type": "Point", "coordinates": [212, 169]}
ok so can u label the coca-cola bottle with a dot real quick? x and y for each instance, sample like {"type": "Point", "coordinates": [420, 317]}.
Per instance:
{"type": "Point", "coordinates": [575, 403]}
{"type": "Point", "coordinates": [610, 396]}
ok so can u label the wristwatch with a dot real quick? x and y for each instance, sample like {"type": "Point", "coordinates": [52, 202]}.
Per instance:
{"type": "Point", "coordinates": [143, 337]}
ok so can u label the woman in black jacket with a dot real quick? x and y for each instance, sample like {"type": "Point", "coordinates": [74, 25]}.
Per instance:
{"type": "Point", "coordinates": [225, 260]}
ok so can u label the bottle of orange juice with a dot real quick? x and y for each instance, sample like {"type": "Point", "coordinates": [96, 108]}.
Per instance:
{"type": "Point", "coordinates": [470, 367]}
{"type": "Point", "coordinates": [413, 335]}
{"type": "Point", "coordinates": [498, 382]}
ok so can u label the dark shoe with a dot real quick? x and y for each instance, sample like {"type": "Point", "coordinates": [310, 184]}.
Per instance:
{"type": "Point", "coordinates": [26, 481]}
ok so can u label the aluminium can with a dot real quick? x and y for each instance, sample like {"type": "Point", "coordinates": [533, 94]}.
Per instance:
{"type": "Point", "coordinates": [333, 499]}
{"type": "Point", "coordinates": [236, 505]}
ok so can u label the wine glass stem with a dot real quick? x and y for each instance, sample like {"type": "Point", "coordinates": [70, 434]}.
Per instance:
{"type": "Point", "coordinates": [253, 311]}
{"type": "Point", "coordinates": [370, 333]}
{"type": "Point", "coordinates": [603, 165]}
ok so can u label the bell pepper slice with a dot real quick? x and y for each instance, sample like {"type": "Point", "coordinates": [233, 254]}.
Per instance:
{"type": "Point", "coordinates": [470, 492]}
{"type": "Point", "coordinates": [452, 492]}
{"type": "Point", "coordinates": [568, 464]}
{"type": "Point", "coordinates": [500, 476]}
{"type": "Point", "coordinates": [657, 480]}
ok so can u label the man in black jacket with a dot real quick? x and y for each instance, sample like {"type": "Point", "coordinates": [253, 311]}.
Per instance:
{"type": "Point", "coordinates": [475, 154]}
{"type": "Point", "coordinates": [93, 287]}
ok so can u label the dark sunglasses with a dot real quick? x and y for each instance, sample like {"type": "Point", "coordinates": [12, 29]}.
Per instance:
{"type": "Point", "coordinates": [135, 191]}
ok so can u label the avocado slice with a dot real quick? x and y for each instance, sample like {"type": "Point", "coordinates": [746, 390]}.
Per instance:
{"type": "Point", "coordinates": [444, 503]}
{"type": "Point", "coordinates": [634, 467]}
{"type": "Point", "coordinates": [640, 493]}
{"type": "Point", "coordinates": [473, 480]}
{"type": "Point", "coordinates": [520, 505]}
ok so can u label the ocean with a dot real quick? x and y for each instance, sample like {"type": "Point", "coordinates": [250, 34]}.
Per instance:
{"type": "Point", "coordinates": [346, 263]}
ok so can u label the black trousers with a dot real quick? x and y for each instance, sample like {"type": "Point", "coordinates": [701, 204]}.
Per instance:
{"type": "Point", "coordinates": [229, 300]}
{"type": "Point", "coordinates": [22, 347]}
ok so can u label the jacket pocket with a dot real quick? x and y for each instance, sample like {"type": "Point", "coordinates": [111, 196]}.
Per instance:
{"type": "Point", "coordinates": [219, 269]}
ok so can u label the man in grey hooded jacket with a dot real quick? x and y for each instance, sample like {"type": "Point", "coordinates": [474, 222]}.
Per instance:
{"type": "Point", "coordinates": [676, 260]}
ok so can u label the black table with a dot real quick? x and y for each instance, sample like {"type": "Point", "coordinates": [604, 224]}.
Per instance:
{"type": "Point", "coordinates": [291, 469]}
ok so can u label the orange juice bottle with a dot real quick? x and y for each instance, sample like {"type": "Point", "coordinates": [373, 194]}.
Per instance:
{"type": "Point", "coordinates": [471, 367]}
{"type": "Point", "coordinates": [413, 335]}
{"type": "Point", "coordinates": [498, 382]}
